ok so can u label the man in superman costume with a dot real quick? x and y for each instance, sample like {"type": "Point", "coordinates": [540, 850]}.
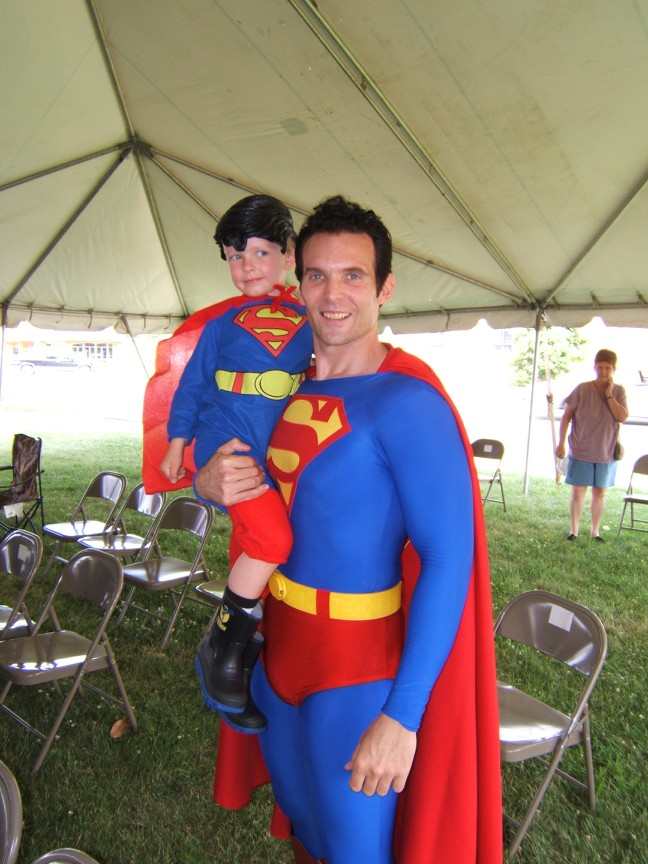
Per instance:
{"type": "Point", "coordinates": [368, 453]}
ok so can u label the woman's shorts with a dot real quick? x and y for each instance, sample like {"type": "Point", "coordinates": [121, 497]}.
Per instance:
{"type": "Point", "coordinates": [597, 474]}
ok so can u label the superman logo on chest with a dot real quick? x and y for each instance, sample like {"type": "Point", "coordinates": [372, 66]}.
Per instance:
{"type": "Point", "coordinates": [273, 326]}
{"type": "Point", "coordinates": [308, 426]}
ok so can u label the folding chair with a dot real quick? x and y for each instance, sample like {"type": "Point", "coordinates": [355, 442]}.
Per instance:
{"type": "Point", "coordinates": [634, 499]}
{"type": "Point", "coordinates": [116, 539]}
{"type": "Point", "coordinates": [65, 856]}
{"type": "Point", "coordinates": [529, 728]}
{"type": "Point", "coordinates": [20, 556]}
{"type": "Point", "coordinates": [160, 572]}
{"type": "Point", "coordinates": [91, 576]}
{"type": "Point", "coordinates": [107, 487]}
{"type": "Point", "coordinates": [489, 448]}
{"type": "Point", "coordinates": [24, 495]}
{"type": "Point", "coordinates": [11, 817]}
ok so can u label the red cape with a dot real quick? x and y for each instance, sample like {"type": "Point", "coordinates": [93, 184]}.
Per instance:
{"type": "Point", "coordinates": [170, 361]}
{"type": "Point", "coordinates": [451, 808]}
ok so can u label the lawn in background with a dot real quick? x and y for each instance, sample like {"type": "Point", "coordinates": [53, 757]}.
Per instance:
{"type": "Point", "coordinates": [146, 798]}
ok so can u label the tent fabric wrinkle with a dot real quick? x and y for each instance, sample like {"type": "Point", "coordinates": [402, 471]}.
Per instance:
{"type": "Point", "coordinates": [504, 149]}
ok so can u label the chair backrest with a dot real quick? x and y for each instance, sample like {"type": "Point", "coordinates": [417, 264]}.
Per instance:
{"type": "Point", "coordinates": [107, 486]}
{"type": "Point", "coordinates": [181, 514]}
{"type": "Point", "coordinates": [20, 554]}
{"type": "Point", "coordinates": [487, 448]}
{"type": "Point", "coordinates": [641, 465]}
{"type": "Point", "coordinates": [557, 627]}
{"type": "Point", "coordinates": [10, 816]}
{"type": "Point", "coordinates": [94, 576]}
{"type": "Point", "coordinates": [186, 514]}
{"type": "Point", "coordinates": [65, 856]}
{"type": "Point", "coordinates": [148, 504]}
{"type": "Point", "coordinates": [25, 463]}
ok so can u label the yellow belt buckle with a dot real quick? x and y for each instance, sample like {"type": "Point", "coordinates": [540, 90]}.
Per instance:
{"type": "Point", "coordinates": [276, 384]}
{"type": "Point", "coordinates": [273, 383]}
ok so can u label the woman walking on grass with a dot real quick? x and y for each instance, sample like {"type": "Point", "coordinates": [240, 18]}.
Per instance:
{"type": "Point", "coordinates": [595, 410]}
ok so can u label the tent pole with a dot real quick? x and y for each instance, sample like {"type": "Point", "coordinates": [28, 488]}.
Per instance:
{"type": "Point", "coordinates": [404, 133]}
{"type": "Point", "coordinates": [124, 321]}
{"type": "Point", "coordinates": [3, 327]}
{"type": "Point", "coordinates": [517, 301]}
{"type": "Point", "coordinates": [72, 163]}
{"type": "Point", "coordinates": [597, 238]}
{"type": "Point", "coordinates": [67, 225]}
{"type": "Point", "coordinates": [159, 227]}
{"type": "Point", "coordinates": [538, 326]}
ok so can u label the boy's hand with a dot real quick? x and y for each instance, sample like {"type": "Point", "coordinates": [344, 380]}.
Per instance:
{"type": "Point", "coordinates": [171, 464]}
{"type": "Point", "coordinates": [228, 477]}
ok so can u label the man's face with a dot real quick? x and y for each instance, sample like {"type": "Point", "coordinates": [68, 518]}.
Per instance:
{"type": "Point", "coordinates": [259, 267]}
{"type": "Point", "coordinates": [604, 371]}
{"type": "Point", "coordinates": [339, 287]}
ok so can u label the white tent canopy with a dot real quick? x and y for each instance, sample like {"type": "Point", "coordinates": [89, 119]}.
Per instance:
{"type": "Point", "coordinates": [504, 144]}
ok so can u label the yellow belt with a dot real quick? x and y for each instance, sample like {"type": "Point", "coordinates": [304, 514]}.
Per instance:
{"type": "Point", "coordinates": [341, 607]}
{"type": "Point", "coordinates": [273, 384]}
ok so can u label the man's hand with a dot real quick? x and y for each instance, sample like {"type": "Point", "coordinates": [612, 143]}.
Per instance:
{"type": "Point", "coordinates": [383, 758]}
{"type": "Point", "coordinates": [560, 451]}
{"type": "Point", "coordinates": [229, 477]}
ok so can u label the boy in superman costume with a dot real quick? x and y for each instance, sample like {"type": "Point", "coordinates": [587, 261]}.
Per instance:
{"type": "Point", "coordinates": [250, 356]}
{"type": "Point", "coordinates": [360, 698]}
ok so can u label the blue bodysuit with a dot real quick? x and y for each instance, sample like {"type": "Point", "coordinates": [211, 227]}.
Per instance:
{"type": "Point", "coordinates": [259, 336]}
{"type": "Point", "coordinates": [363, 463]}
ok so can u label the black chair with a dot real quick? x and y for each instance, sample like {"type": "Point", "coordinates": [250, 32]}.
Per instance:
{"type": "Point", "coordinates": [11, 816]}
{"type": "Point", "coordinates": [160, 572]}
{"type": "Point", "coordinates": [25, 493]}
{"type": "Point", "coordinates": [489, 472]}
{"type": "Point", "coordinates": [106, 489]}
{"type": "Point", "coordinates": [634, 498]}
{"type": "Point", "coordinates": [95, 578]}
{"type": "Point", "coordinates": [20, 556]}
{"type": "Point", "coordinates": [532, 729]}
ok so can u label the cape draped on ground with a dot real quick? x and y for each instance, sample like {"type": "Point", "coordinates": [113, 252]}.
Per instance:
{"type": "Point", "coordinates": [451, 808]}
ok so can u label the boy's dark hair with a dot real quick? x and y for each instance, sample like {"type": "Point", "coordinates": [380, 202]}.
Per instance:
{"type": "Point", "coordinates": [605, 356]}
{"type": "Point", "coordinates": [255, 216]}
{"type": "Point", "coordinates": [338, 216]}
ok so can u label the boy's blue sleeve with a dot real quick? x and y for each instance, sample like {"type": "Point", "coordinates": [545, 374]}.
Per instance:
{"type": "Point", "coordinates": [196, 380]}
{"type": "Point", "coordinates": [430, 469]}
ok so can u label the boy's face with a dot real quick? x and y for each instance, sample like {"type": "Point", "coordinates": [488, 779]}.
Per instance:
{"type": "Point", "coordinates": [259, 267]}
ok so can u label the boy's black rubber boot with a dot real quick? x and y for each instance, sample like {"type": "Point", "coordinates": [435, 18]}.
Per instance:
{"type": "Point", "coordinates": [250, 721]}
{"type": "Point", "coordinates": [219, 661]}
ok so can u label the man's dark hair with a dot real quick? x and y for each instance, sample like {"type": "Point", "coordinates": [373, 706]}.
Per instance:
{"type": "Point", "coordinates": [605, 356]}
{"type": "Point", "coordinates": [338, 216]}
{"type": "Point", "coordinates": [255, 216]}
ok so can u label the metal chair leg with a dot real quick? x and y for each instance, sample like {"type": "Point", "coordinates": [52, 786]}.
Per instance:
{"type": "Point", "coordinates": [589, 761]}
{"type": "Point", "coordinates": [174, 616]}
{"type": "Point", "coordinates": [537, 800]}
{"type": "Point", "coordinates": [124, 607]}
{"type": "Point", "coordinates": [120, 685]}
{"type": "Point", "coordinates": [57, 723]}
{"type": "Point", "coordinates": [625, 504]}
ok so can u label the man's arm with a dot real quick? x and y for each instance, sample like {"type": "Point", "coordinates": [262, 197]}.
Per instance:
{"type": "Point", "coordinates": [230, 477]}
{"type": "Point", "coordinates": [565, 420]}
{"type": "Point", "coordinates": [618, 406]}
{"type": "Point", "coordinates": [429, 466]}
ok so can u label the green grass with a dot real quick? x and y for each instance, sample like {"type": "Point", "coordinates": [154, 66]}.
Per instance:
{"type": "Point", "coordinates": [146, 798]}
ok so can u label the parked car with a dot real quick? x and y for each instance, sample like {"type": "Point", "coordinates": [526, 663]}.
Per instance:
{"type": "Point", "coordinates": [28, 363]}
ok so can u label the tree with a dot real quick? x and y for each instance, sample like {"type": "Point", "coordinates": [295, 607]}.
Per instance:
{"type": "Point", "coordinates": [559, 348]}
